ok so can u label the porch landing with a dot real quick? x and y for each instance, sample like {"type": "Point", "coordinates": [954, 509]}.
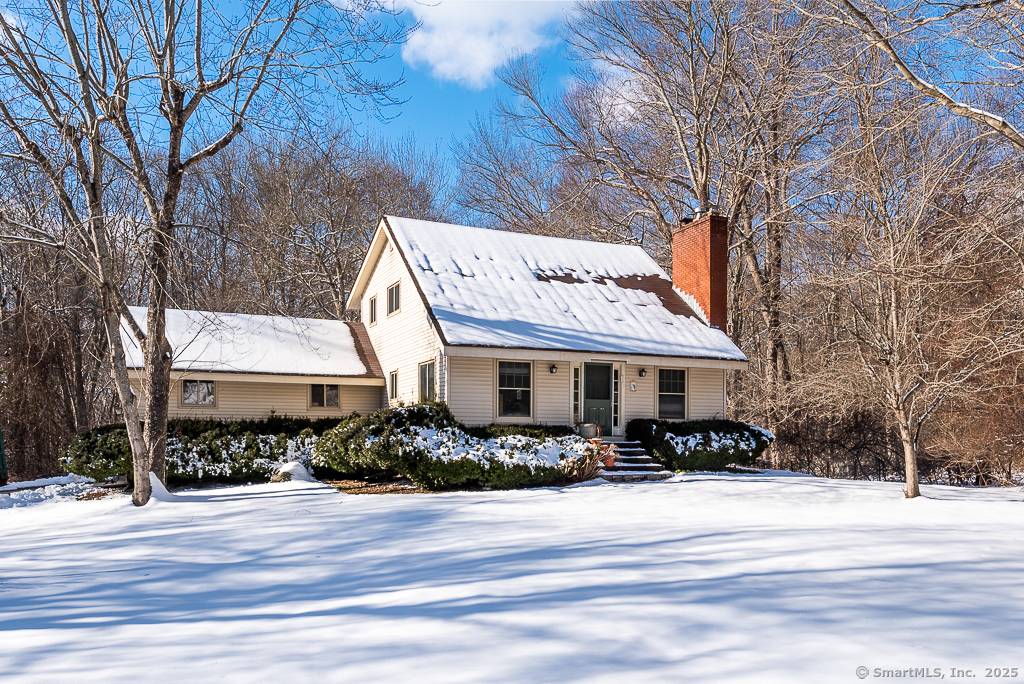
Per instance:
{"type": "Point", "coordinates": [632, 463]}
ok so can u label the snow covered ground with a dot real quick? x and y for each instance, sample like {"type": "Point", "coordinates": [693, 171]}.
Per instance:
{"type": "Point", "coordinates": [704, 578]}
{"type": "Point", "coordinates": [45, 490]}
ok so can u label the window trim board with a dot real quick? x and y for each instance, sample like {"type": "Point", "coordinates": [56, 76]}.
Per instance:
{"type": "Point", "coordinates": [371, 313]}
{"type": "Point", "coordinates": [392, 387]}
{"type": "Point", "coordinates": [657, 392]}
{"type": "Point", "coordinates": [398, 307]}
{"type": "Point", "coordinates": [498, 418]}
{"type": "Point", "coordinates": [326, 407]}
{"type": "Point", "coordinates": [181, 394]}
{"type": "Point", "coordinates": [419, 380]}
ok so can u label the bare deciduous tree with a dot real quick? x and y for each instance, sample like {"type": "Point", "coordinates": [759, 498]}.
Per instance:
{"type": "Point", "coordinates": [920, 313]}
{"type": "Point", "coordinates": [281, 224]}
{"type": "Point", "coordinates": [989, 30]}
{"type": "Point", "coordinates": [149, 92]}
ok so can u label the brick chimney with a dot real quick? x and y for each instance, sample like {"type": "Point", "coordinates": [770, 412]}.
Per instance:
{"type": "Point", "coordinates": [700, 263]}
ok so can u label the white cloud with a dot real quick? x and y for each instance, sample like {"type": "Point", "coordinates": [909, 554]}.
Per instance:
{"type": "Point", "coordinates": [467, 40]}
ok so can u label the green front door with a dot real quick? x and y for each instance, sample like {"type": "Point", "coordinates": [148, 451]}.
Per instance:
{"type": "Point", "coordinates": [597, 395]}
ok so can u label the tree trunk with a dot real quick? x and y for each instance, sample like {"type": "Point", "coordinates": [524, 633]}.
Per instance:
{"type": "Point", "coordinates": [79, 401]}
{"type": "Point", "coordinates": [913, 482]}
{"type": "Point", "coordinates": [158, 354]}
{"type": "Point", "coordinates": [119, 374]}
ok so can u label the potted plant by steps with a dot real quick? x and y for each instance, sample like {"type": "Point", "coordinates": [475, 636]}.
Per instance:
{"type": "Point", "coordinates": [589, 430]}
{"type": "Point", "coordinates": [605, 452]}
{"type": "Point", "coordinates": [608, 458]}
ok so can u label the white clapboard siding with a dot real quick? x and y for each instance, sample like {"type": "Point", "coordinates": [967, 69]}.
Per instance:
{"type": "Point", "coordinates": [472, 399]}
{"type": "Point", "coordinates": [551, 402]}
{"type": "Point", "coordinates": [261, 399]}
{"type": "Point", "coordinates": [405, 339]}
{"type": "Point", "coordinates": [705, 386]}
{"type": "Point", "coordinates": [639, 403]}
{"type": "Point", "coordinates": [471, 389]}
{"type": "Point", "coordinates": [707, 393]}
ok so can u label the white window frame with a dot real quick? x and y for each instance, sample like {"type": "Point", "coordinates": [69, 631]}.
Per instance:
{"type": "Point", "coordinates": [398, 299]}
{"type": "Point", "coordinates": [576, 393]}
{"type": "Point", "coordinates": [393, 385]}
{"type": "Point", "coordinates": [617, 397]}
{"type": "Point", "coordinates": [497, 391]}
{"type": "Point", "coordinates": [371, 314]}
{"type": "Point", "coordinates": [213, 384]}
{"type": "Point", "coordinates": [658, 393]}
{"type": "Point", "coordinates": [325, 404]}
{"type": "Point", "coordinates": [433, 380]}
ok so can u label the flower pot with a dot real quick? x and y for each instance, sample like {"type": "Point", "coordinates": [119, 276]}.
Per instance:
{"type": "Point", "coordinates": [589, 430]}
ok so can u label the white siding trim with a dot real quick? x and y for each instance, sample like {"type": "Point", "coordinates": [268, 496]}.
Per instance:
{"type": "Point", "coordinates": [515, 354]}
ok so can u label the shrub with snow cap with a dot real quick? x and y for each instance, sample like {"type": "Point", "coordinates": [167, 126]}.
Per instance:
{"type": "Point", "coordinates": [701, 444]}
{"type": "Point", "coordinates": [204, 449]}
{"type": "Point", "coordinates": [427, 445]}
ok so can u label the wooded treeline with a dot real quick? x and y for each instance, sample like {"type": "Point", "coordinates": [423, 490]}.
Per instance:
{"type": "Point", "coordinates": [868, 157]}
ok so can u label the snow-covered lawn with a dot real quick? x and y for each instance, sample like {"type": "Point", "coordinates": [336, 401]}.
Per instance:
{"type": "Point", "coordinates": [45, 490]}
{"type": "Point", "coordinates": [704, 578]}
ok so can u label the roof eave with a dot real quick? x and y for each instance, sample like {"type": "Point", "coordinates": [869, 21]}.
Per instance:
{"type": "Point", "coordinates": [493, 351]}
{"type": "Point", "coordinates": [431, 316]}
{"type": "Point", "coordinates": [373, 253]}
{"type": "Point", "coordinates": [264, 376]}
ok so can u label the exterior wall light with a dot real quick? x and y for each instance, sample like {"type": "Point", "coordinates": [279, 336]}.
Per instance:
{"type": "Point", "coordinates": [553, 369]}
{"type": "Point", "coordinates": [642, 373]}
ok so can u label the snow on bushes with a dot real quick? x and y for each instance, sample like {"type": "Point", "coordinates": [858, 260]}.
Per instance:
{"type": "Point", "coordinates": [712, 441]}
{"type": "Point", "coordinates": [423, 443]}
{"type": "Point", "coordinates": [236, 456]}
{"type": "Point", "coordinates": [427, 445]}
{"type": "Point", "coordinates": [204, 449]}
{"type": "Point", "coordinates": [449, 444]}
{"type": "Point", "coordinates": [701, 444]}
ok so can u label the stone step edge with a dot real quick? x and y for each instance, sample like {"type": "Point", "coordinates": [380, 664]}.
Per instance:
{"type": "Point", "coordinates": [636, 461]}
{"type": "Point", "coordinates": [625, 479]}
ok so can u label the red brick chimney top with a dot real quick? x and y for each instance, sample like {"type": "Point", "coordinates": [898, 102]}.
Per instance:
{"type": "Point", "coordinates": [700, 264]}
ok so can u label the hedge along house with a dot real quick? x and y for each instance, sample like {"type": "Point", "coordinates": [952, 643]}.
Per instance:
{"type": "Point", "coordinates": [517, 328]}
{"type": "Point", "coordinates": [234, 366]}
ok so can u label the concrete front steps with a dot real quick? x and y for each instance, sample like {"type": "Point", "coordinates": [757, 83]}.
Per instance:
{"type": "Point", "coordinates": [633, 464]}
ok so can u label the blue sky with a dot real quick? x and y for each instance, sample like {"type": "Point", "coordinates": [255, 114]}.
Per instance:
{"type": "Point", "coordinates": [450, 63]}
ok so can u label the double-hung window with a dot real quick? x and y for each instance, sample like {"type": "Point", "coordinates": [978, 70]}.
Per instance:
{"type": "Point", "coordinates": [324, 396]}
{"type": "Point", "coordinates": [371, 314]}
{"type": "Point", "coordinates": [393, 385]}
{"type": "Point", "coordinates": [671, 394]}
{"type": "Point", "coordinates": [514, 395]}
{"type": "Point", "coordinates": [198, 393]}
{"type": "Point", "coordinates": [394, 298]}
{"type": "Point", "coordinates": [427, 391]}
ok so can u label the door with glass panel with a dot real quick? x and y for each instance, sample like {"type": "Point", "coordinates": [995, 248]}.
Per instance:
{"type": "Point", "coordinates": [597, 395]}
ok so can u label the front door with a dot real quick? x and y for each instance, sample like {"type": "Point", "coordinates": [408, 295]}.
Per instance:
{"type": "Point", "coordinates": [597, 395]}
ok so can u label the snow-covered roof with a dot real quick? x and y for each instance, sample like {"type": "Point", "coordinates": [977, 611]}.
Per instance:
{"type": "Point", "coordinates": [245, 343]}
{"type": "Point", "coordinates": [501, 289]}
